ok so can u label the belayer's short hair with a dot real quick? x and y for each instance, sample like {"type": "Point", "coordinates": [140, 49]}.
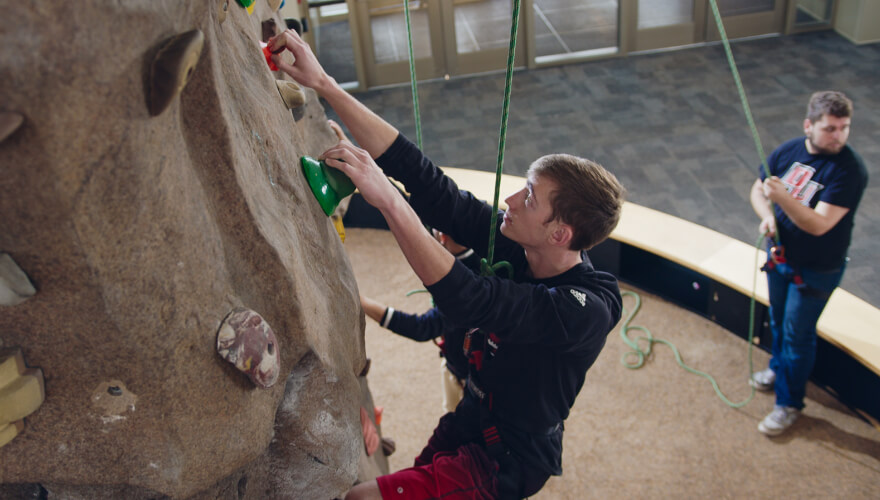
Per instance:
{"type": "Point", "coordinates": [587, 197]}
{"type": "Point", "coordinates": [828, 102]}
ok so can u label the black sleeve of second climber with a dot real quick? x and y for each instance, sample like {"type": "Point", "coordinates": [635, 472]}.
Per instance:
{"type": "Point", "coordinates": [420, 327]}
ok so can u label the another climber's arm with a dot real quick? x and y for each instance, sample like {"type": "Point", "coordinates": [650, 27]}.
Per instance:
{"type": "Point", "coordinates": [369, 129]}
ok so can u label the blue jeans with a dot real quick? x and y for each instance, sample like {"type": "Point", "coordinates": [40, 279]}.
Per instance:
{"type": "Point", "coordinates": [794, 311]}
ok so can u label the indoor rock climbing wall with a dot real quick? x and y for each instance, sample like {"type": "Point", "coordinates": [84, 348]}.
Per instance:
{"type": "Point", "coordinates": [184, 308]}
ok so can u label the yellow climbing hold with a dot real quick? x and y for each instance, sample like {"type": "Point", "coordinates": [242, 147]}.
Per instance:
{"type": "Point", "coordinates": [337, 222]}
{"type": "Point", "coordinates": [11, 366]}
{"type": "Point", "coordinates": [21, 393]}
{"type": "Point", "coordinates": [22, 397]}
{"type": "Point", "coordinates": [9, 431]}
{"type": "Point", "coordinates": [247, 4]}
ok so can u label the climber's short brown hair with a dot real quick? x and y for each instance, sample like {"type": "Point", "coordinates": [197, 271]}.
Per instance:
{"type": "Point", "coordinates": [587, 197]}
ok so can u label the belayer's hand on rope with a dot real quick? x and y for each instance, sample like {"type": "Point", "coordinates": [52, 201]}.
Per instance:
{"type": "Point", "coordinates": [768, 227]}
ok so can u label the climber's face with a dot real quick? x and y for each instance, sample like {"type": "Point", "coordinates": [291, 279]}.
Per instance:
{"type": "Point", "coordinates": [527, 219]}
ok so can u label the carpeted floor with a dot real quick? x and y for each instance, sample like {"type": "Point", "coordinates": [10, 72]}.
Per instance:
{"type": "Point", "coordinates": [655, 432]}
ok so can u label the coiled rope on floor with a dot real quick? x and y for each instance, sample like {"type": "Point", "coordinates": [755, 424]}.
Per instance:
{"type": "Point", "coordinates": [641, 355]}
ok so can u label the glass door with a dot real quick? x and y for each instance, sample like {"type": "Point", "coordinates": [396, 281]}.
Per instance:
{"type": "Point", "coordinates": [744, 18]}
{"type": "Point", "coordinates": [384, 42]}
{"type": "Point", "coordinates": [809, 15]}
{"type": "Point", "coordinates": [450, 37]}
{"type": "Point", "coordinates": [572, 30]}
{"type": "Point", "coordinates": [477, 35]}
{"type": "Point", "coordinates": [668, 23]}
{"type": "Point", "coordinates": [672, 23]}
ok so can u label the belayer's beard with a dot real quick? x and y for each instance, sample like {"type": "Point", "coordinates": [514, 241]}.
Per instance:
{"type": "Point", "coordinates": [823, 151]}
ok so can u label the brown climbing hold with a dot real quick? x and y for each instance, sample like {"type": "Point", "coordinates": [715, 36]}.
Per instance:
{"type": "Point", "coordinates": [269, 29]}
{"type": "Point", "coordinates": [366, 369]}
{"type": "Point", "coordinates": [113, 400]}
{"type": "Point", "coordinates": [9, 123]}
{"type": "Point", "coordinates": [248, 342]}
{"type": "Point", "coordinates": [371, 435]}
{"type": "Point", "coordinates": [291, 93]}
{"type": "Point", "coordinates": [221, 13]}
{"type": "Point", "coordinates": [388, 446]}
{"type": "Point", "coordinates": [172, 68]}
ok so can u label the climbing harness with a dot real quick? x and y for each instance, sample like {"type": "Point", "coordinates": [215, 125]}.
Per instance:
{"type": "Point", "coordinates": [775, 257]}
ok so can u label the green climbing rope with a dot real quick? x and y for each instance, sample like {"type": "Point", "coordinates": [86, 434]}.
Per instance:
{"type": "Point", "coordinates": [739, 87]}
{"type": "Point", "coordinates": [642, 355]}
{"type": "Point", "coordinates": [742, 97]}
{"type": "Point", "coordinates": [487, 267]}
{"type": "Point", "coordinates": [412, 75]}
{"type": "Point", "coordinates": [505, 110]}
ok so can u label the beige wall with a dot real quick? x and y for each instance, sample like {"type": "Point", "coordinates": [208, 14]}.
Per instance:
{"type": "Point", "coordinates": [857, 20]}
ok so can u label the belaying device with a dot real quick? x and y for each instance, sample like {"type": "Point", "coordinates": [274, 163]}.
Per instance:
{"type": "Point", "coordinates": [776, 255]}
{"type": "Point", "coordinates": [329, 185]}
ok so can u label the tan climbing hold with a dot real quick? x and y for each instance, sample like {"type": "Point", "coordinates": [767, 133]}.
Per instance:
{"type": "Point", "coordinates": [291, 93]}
{"type": "Point", "coordinates": [9, 123]}
{"type": "Point", "coordinates": [221, 12]}
{"type": "Point", "coordinates": [274, 4]}
{"type": "Point", "coordinates": [21, 392]}
{"type": "Point", "coordinates": [172, 68]}
{"type": "Point", "coordinates": [15, 287]}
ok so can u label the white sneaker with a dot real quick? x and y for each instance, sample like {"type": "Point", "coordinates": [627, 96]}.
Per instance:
{"type": "Point", "coordinates": [778, 420]}
{"type": "Point", "coordinates": [763, 380]}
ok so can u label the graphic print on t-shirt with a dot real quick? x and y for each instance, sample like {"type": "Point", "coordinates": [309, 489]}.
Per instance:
{"type": "Point", "coordinates": [798, 181]}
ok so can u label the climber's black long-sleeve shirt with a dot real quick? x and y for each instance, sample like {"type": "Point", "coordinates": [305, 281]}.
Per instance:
{"type": "Point", "coordinates": [547, 332]}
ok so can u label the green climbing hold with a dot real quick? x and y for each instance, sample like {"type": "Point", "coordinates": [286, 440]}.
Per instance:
{"type": "Point", "coordinates": [328, 184]}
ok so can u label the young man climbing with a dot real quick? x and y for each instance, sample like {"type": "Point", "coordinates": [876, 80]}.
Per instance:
{"type": "Point", "coordinates": [815, 185]}
{"type": "Point", "coordinates": [532, 336]}
{"type": "Point", "coordinates": [432, 325]}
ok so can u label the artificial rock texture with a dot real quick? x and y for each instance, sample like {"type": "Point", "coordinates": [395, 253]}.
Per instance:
{"type": "Point", "coordinates": [141, 233]}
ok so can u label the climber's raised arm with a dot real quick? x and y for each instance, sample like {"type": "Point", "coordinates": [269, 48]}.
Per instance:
{"type": "Point", "coordinates": [370, 131]}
